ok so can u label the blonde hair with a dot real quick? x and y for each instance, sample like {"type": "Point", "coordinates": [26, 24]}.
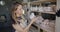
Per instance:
{"type": "Point", "coordinates": [14, 8]}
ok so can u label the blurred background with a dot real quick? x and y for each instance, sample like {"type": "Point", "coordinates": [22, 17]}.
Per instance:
{"type": "Point", "coordinates": [45, 9]}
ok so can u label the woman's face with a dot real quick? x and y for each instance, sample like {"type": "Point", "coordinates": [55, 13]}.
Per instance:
{"type": "Point", "coordinates": [19, 10]}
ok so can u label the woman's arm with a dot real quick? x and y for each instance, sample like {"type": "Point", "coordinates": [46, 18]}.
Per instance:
{"type": "Point", "coordinates": [17, 27]}
{"type": "Point", "coordinates": [32, 21]}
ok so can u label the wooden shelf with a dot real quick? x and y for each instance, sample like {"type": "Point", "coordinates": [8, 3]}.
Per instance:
{"type": "Point", "coordinates": [45, 12]}
{"type": "Point", "coordinates": [39, 2]}
{"type": "Point", "coordinates": [49, 12]}
{"type": "Point", "coordinates": [47, 0]}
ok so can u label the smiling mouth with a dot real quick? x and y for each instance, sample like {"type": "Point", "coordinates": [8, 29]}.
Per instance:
{"type": "Point", "coordinates": [19, 18]}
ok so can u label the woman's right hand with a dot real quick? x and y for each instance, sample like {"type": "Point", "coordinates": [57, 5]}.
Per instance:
{"type": "Point", "coordinates": [32, 21]}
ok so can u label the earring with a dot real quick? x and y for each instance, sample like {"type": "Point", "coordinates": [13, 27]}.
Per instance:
{"type": "Point", "coordinates": [23, 11]}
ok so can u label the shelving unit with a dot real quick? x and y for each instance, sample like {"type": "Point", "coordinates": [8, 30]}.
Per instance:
{"type": "Point", "coordinates": [39, 3]}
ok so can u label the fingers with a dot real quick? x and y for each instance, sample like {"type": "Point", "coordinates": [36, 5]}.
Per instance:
{"type": "Point", "coordinates": [34, 19]}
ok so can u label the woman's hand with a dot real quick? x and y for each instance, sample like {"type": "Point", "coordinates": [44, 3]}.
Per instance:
{"type": "Point", "coordinates": [32, 21]}
{"type": "Point", "coordinates": [17, 27]}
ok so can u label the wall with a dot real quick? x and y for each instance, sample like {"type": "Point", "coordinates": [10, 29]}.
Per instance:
{"type": "Point", "coordinates": [58, 18]}
{"type": "Point", "coordinates": [58, 4]}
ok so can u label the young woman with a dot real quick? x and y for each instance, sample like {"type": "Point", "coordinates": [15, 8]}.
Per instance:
{"type": "Point", "coordinates": [19, 22]}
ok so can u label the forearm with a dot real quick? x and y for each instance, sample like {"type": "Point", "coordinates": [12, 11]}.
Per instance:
{"type": "Point", "coordinates": [17, 27]}
{"type": "Point", "coordinates": [29, 25]}
{"type": "Point", "coordinates": [32, 21]}
{"type": "Point", "coordinates": [27, 28]}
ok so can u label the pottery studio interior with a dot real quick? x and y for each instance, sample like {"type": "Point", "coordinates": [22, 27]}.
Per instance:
{"type": "Point", "coordinates": [28, 15]}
